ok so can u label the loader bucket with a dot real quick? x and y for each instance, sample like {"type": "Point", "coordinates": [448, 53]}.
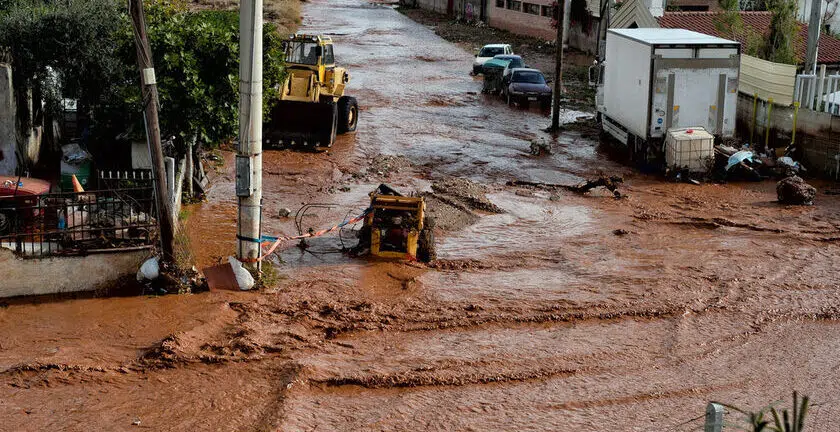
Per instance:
{"type": "Point", "coordinates": [306, 125]}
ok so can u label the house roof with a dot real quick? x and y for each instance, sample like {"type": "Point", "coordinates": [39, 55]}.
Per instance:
{"type": "Point", "coordinates": [704, 22]}
{"type": "Point", "coordinates": [633, 12]}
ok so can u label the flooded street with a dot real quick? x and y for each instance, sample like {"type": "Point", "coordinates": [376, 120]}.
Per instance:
{"type": "Point", "coordinates": [548, 310]}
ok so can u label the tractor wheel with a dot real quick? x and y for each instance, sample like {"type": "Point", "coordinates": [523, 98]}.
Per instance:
{"type": "Point", "coordinates": [348, 114]}
{"type": "Point", "coordinates": [426, 251]}
{"type": "Point", "coordinates": [329, 139]}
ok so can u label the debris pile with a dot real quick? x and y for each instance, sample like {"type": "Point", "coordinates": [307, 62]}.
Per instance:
{"type": "Point", "coordinates": [466, 192]}
{"type": "Point", "coordinates": [166, 278]}
{"type": "Point", "coordinates": [610, 183]}
{"type": "Point", "coordinates": [385, 165]}
{"type": "Point", "coordinates": [540, 147]}
{"type": "Point", "coordinates": [793, 190]}
{"type": "Point", "coordinates": [746, 163]}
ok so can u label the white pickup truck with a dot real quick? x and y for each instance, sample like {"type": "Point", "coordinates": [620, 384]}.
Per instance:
{"type": "Point", "coordinates": [488, 52]}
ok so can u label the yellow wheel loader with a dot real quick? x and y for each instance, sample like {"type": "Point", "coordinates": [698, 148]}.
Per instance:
{"type": "Point", "coordinates": [312, 107]}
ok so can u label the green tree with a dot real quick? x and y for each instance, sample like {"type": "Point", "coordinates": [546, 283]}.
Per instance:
{"type": "Point", "coordinates": [729, 21]}
{"type": "Point", "coordinates": [196, 57]}
{"type": "Point", "coordinates": [88, 46]}
{"type": "Point", "coordinates": [69, 41]}
{"type": "Point", "coordinates": [783, 29]}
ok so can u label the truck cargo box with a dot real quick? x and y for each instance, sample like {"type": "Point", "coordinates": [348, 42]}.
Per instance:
{"type": "Point", "coordinates": [657, 79]}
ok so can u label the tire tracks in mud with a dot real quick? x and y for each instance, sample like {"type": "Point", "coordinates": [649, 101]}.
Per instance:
{"type": "Point", "coordinates": [429, 378]}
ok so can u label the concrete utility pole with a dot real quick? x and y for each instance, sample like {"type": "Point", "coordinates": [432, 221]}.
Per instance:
{"type": "Point", "coordinates": [558, 69]}
{"type": "Point", "coordinates": [249, 155]}
{"type": "Point", "coordinates": [603, 25]}
{"type": "Point", "coordinates": [813, 36]}
{"type": "Point", "coordinates": [567, 19]}
{"type": "Point", "coordinates": [150, 101]}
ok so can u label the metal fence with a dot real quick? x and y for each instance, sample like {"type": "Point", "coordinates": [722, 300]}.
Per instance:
{"type": "Point", "coordinates": [72, 223]}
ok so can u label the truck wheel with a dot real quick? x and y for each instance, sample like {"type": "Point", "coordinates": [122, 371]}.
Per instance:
{"type": "Point", "coordinates": [348, 114]}
{"type": "Point", "coordinates": [426, 251]}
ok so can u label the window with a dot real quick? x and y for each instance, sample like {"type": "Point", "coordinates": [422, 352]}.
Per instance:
{"type": "Point", "coordinates": [500, 3]}
{"type": "Point", "coordinates": [329, 57]}
{"type": "Point", "coordinates": [531, 8]}
{"type": "Point", "coordinates": [514, 5]}
{"type": "Point", "coordinates": [528, 77]}
{"type": "Point", "coordinates": [302, 53]}
{"type": "Point", "coordinates": [547, 11]}
{"type": "Point", "coordinates": [491, 51]}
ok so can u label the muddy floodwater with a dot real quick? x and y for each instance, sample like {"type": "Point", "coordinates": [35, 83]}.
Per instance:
{"type": "Point", "coordinates": [546, 309]}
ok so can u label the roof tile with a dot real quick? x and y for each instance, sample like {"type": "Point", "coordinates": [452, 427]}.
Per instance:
{"type": "Point", "coordinates": [704, 22]}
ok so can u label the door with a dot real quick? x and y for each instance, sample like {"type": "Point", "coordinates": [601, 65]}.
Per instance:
{"type": "Point", "coordinates": [685, 98]}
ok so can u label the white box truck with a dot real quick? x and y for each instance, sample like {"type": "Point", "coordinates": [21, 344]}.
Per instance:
{"type": "Point", "coordinates": [652, 80]}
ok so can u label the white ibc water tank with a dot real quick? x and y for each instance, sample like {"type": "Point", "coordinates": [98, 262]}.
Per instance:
{"type": "Point", "coordinates": [691, 148]}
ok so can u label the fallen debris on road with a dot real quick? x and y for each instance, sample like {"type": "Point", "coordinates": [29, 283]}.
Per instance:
{"type": "Point", "coordinates": [793, 190]}
{"type": "Point", "coordinates": [610, 183]}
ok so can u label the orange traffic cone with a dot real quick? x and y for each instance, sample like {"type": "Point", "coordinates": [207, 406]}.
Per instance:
{"type": "Point", "coordinates": [77, 187]}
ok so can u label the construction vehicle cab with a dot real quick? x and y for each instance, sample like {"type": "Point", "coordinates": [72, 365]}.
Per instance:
{"type": "Point", "coordinates": [312, 107]}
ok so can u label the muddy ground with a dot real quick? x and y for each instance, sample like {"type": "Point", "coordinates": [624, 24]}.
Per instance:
{"type": "Point", "coordinates": [548, 310]}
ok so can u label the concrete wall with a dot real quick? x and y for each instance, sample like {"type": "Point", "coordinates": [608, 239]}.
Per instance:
{"type": "Point", "coordinates": [469, 10]}
{"type": "Point", "coordinates": [439, 6]}
{"type": "Point", "coordinates": [817, 133]}
{"type": "Point", "coordinates": [520, 22]}
{"type": "Point", "coordinates": [8, 145]}
{"type": "Point", "coordinates": [20, 277]}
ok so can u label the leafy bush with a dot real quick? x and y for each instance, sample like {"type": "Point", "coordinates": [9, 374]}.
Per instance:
{"type": "Point", "coordinates": [89, 45]}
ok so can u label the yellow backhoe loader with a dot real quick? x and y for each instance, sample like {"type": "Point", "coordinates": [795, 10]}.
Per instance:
{"type": "Point", "coordinates": [312, 107]}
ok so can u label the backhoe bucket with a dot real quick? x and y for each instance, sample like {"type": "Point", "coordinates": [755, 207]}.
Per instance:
{"type": "Point", "coordinates": [301, 124]}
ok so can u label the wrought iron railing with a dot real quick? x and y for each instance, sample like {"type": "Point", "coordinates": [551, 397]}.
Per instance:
{"type": "Point", "coordinates": [72, 223]}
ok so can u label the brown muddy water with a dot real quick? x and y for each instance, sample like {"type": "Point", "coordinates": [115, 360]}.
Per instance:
{"type": "Point", "coordinates": [537, 315]}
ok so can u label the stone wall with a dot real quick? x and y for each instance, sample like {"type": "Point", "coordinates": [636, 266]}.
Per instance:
{"type": "Point", "coordinates": [20, 277]}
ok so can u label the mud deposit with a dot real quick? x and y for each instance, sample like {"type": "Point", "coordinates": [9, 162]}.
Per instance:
{"type": "Point", "coordinates": [536, 316]}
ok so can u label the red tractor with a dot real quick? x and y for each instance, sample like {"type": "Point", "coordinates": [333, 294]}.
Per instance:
{"type": "Point", "coordinates": [19, 202]}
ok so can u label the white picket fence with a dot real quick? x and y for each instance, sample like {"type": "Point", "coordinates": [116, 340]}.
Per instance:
{"type": "Point", "coordinates": [818, 92]}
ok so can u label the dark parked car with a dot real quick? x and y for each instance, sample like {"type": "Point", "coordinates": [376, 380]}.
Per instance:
{"type": "Point", "coordinates": [523, 86]}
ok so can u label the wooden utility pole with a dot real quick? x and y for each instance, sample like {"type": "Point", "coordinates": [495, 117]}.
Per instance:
{"type": "Point", "coordinates": [150, 102]}
{"type": "Point", "coordinates": [558, 68]}
{"type": "Point", "coordinates": [813, 37]}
